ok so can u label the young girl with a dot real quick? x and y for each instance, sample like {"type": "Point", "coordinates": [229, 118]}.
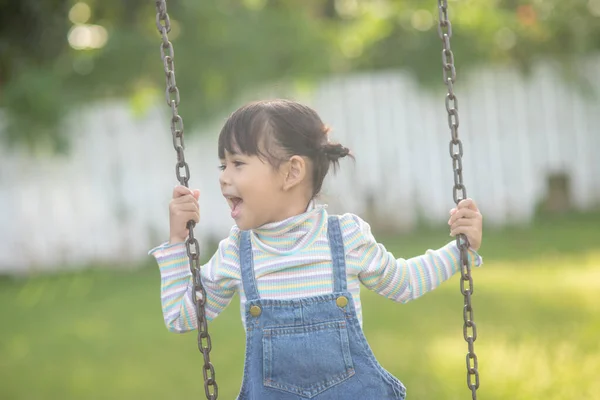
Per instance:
{"type": "Point", "coordinates": [297, 269]}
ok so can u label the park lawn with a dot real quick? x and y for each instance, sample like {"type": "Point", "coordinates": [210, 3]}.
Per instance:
{"type": "Point", "coordinates": [98, 334]}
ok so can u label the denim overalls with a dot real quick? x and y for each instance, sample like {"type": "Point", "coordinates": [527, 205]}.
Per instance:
{"type": "Point", "coordinates": [309, 348]}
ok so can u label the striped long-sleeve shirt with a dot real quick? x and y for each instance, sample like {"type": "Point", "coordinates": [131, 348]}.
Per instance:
{"type": "Point", "coordinates": [292, 259]}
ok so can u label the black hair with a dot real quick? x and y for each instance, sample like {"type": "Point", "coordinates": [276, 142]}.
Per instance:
{"type": "Point", "coordinates": [277, 129]}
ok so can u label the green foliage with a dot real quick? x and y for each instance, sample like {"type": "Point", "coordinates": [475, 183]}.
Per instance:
{"type": "Point", "coordinates": [518, 32]}
{"type": "Point", "coordinates": [228, 47]}
{"type": "Point", "coordinates": [100, 335]}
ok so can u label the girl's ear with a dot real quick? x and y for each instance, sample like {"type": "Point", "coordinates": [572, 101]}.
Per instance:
{"type": "Point", "coordinates": [295, 172]}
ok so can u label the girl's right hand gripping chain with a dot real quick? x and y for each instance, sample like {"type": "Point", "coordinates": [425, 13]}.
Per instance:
{"type": "Point", "coordinates": [182, 208]}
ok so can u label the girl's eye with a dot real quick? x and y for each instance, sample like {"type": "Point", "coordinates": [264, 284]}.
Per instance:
{"type": "Point", "coordinates": [223, 166]}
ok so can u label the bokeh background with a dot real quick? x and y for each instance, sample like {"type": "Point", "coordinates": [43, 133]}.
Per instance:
{"type": "Point", "coordinates": [87, 167]}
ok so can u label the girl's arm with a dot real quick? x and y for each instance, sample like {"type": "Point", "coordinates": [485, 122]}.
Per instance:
{"type": "Point", "coordinates": [220, 278]}
{"type": "Point", "coordinates": [399, 279]}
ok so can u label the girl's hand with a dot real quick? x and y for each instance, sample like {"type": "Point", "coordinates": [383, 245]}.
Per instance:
{"type": "Point", "coordinates": [182, 208]}
{"type": "Point", "coordinates": [467, 219]}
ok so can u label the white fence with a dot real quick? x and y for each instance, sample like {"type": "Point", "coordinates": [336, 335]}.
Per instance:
{"type": "Point", "coordinates": [106, 202]}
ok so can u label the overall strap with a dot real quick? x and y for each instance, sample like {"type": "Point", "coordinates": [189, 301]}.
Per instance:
{"type": "Point", "coordinates": [247, 267]}
{"type": "Point", "coordinates": [336, 245]}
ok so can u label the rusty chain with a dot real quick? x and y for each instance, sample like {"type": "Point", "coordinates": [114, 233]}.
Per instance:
{"type": "Point", "coordinates": [459, 192]}
{"type": "Point", "coordinates": [182, 171]}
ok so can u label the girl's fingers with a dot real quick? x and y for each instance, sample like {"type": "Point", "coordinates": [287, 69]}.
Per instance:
{"type": "Point", "coordinates": [183, 207]}
{"type": "Point", "coordinates": [186, 207]}
{"type": "Point", "coordinates": [467, 204]}
{"type": "Point", "coordinates": [186, 198]}
{"type": "Point", "coordinates": [190, 216]}
{"type": "Point", "coordinates": [463, 214]}
{"type": "Point", "coordinates": [180, 190]}
{"type": "Point", "coordinates": [465, 230]}
{"type": "Point", "coordinates": [461, 222]}
{"type": "Point", "coordinates": [459, 213]}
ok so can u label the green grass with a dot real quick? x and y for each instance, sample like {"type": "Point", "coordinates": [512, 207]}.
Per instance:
{"type": "Point", "coordinates": [99, 334]}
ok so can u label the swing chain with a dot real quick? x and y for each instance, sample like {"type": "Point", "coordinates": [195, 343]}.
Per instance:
{"type": "Point", "coordinates": [459, 193]}
{"type": "Point", "coordinates": [182, 171]}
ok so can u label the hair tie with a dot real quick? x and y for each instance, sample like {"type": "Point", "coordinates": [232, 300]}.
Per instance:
{"type": "Point", "coordinates": [335, 151]}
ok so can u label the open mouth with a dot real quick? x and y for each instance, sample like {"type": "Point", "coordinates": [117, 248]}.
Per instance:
{"type": "Point", "coordinates": [235, 205]}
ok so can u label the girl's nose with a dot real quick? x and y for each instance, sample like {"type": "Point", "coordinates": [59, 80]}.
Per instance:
{"type": "Point", "coordinates": [223, 178]}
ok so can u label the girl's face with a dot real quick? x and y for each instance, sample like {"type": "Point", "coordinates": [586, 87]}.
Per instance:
{"type": "Point", "coordinates": [253, 189]}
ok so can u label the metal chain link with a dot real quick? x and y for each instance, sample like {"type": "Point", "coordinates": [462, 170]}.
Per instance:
{"type": "Point", "coordinates": [459, 192]}
{"type": "Point", "coordinates": [182, 171]}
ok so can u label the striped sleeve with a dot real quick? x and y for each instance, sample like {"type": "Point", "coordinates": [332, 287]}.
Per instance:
{"type": "Point", "coordinates": [399, 279]}
{"type": "Point", "coordinates": [220, 278]}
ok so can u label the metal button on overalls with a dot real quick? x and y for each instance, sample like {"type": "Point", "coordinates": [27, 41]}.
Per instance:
{"type": "Point", "coordinates": [255, 311]}
{"type": "Point", "coordinates": [341, 301]}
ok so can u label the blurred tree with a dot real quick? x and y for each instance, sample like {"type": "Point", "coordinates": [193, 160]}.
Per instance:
{"type": "Point", "coordinates": [57, 54]}
{"type": "Point", "coordinates": [516, 32]}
